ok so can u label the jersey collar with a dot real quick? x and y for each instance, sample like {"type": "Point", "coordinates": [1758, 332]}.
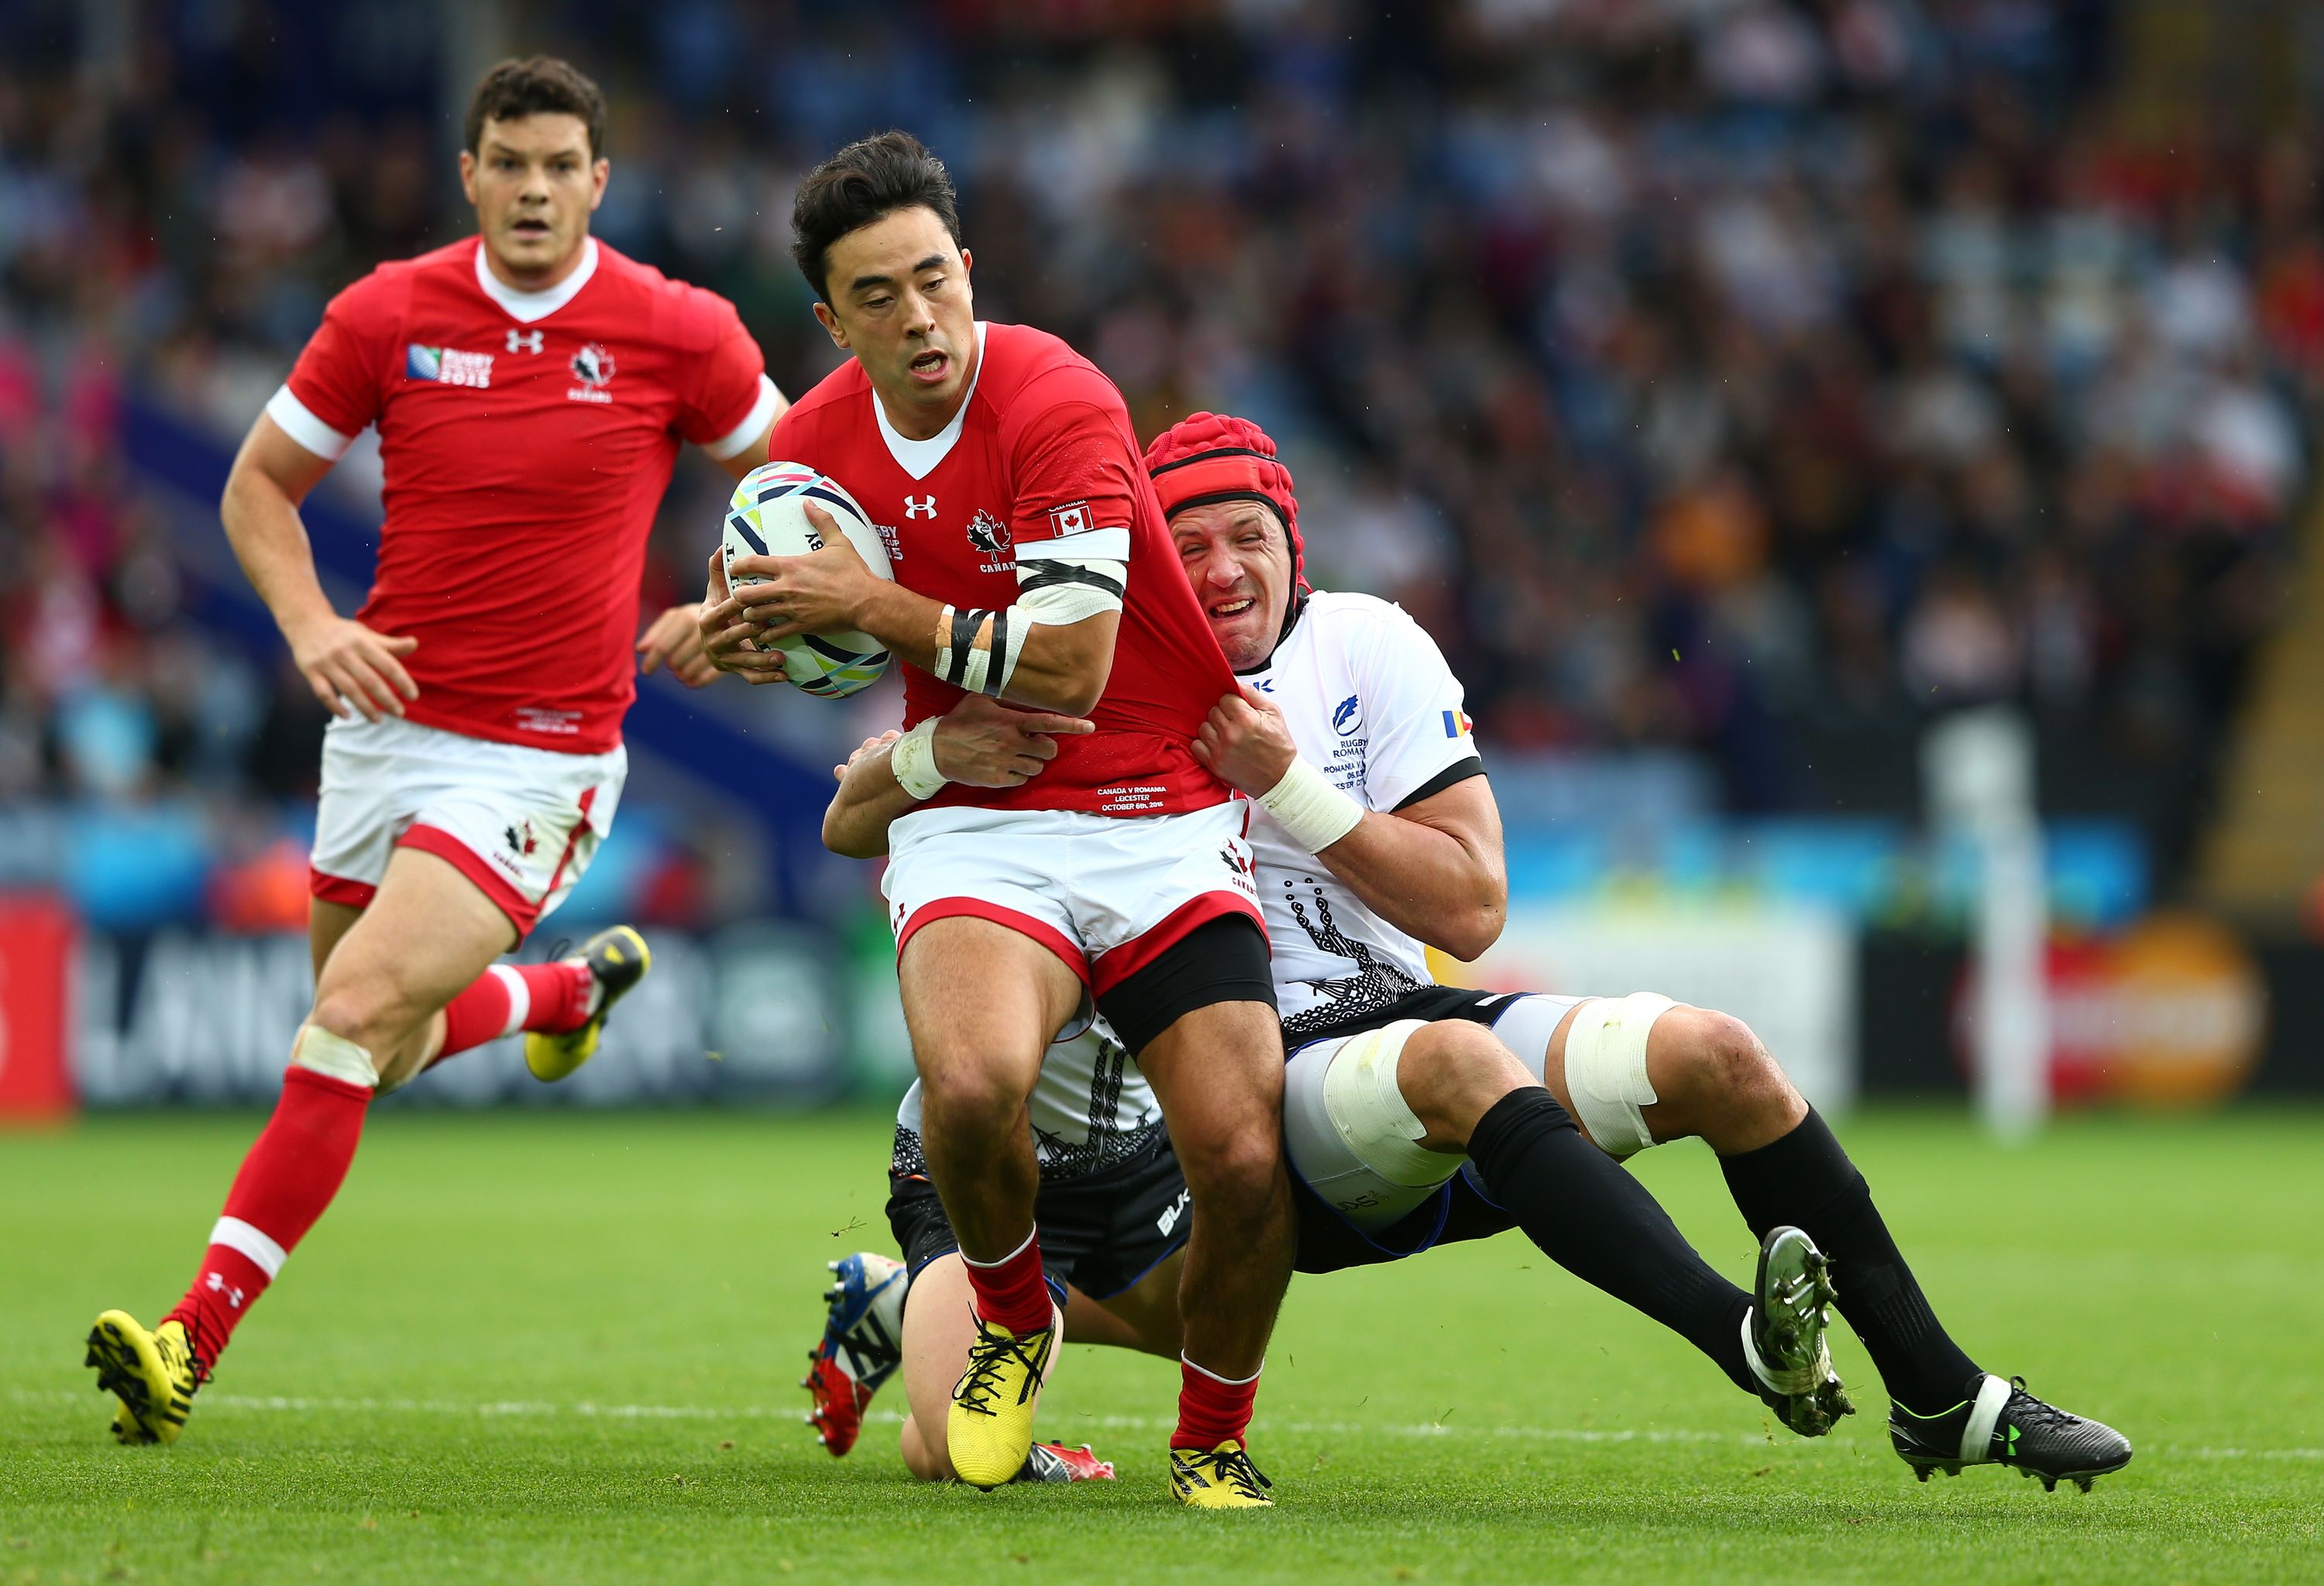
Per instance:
{"type": "Point", "coordinates": [527, 307]}
{"type": "Point", "coordinates": [919, 458]}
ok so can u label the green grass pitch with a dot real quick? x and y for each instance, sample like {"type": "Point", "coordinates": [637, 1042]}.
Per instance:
{"type": "Point", "coordinates": [559, 1347]}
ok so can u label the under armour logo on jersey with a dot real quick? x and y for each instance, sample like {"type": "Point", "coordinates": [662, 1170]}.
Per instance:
{"type": "Point", "coordinates": [925, 507]}
{"type": "Point", "coordinates": [232, 1295]}
{"type": "Point", "coordinates": [524, 341]}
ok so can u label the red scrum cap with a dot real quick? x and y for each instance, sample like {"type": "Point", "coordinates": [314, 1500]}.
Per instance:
{"type": "Point", "coordinates": [1207, 457]}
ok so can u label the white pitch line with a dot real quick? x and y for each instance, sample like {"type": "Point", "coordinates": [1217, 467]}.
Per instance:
{"type": "Point", "coordinates": [588, 1410]}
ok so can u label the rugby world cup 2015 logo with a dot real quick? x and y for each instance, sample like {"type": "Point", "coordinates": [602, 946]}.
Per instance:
{"type": "Point", "coordinates": [448, 365]}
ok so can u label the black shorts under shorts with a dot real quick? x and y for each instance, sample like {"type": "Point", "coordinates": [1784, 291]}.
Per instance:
{"type": "Point", "coordinates": [1221, 960]}
{"type": "Point", "coordinates": [1100, 1231]}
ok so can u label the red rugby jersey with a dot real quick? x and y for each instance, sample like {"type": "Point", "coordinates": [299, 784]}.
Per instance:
{"type": "Point", "coordinates": [1041, 450]}
{"type": "Point", "coordinates": [527, 438]}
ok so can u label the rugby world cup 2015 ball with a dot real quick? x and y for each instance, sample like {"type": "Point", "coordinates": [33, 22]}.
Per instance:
{"type": "Point", "coordinates": [768, 517]}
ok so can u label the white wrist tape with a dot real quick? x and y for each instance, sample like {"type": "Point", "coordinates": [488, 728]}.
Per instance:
{"type": "Point", "coordinates": [913, 759]}
{"type": "Point", "coordinates": [1306, 805]}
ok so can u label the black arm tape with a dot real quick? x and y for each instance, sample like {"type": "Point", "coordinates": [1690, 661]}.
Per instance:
{"type": "Point", "coordinates": [993, 678]}
{"type": "Point", "coordinates": [964, 624]}
{"type": "Point", "coordinates": [1052, 572]}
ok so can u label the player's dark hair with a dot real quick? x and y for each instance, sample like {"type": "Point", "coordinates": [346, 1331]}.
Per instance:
{"type": "Point", "coordinates": [542, 86]}
{"type": "Point", "coordinates": [865, 182]}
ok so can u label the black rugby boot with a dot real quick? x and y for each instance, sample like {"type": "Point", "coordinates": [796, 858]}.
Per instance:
{"type": "Point", "coordinates": [2001, 1423]}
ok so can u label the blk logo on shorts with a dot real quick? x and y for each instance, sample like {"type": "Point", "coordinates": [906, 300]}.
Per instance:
{"type": "Point", "coordinates": [520, 841]}
{"type": "Point", "coordinates": [1173, 1211]}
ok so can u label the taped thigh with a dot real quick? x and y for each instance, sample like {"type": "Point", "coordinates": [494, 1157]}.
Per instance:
{"type": "Point", "coordinates": [1606, 1069]}
{"type": "Point", "coordinates": [1350, 1136]}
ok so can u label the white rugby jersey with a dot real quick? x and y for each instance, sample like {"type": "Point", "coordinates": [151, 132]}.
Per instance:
{"type": "Point", "coordinates": [1091, 1108]}
{"type": "Point", "coordinates": [1373, 704]}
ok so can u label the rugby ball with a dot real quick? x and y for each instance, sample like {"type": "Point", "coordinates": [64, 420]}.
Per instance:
{"type": "Point", "coordinates": [766, 516]}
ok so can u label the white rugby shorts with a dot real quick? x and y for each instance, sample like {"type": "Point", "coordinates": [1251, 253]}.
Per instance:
{"type": "Point", "coordinates": [1107, 894]}
{"type": "Point", "coordinates": [521, 823]}
{"type": "Point", "coordinates": [1343, 1156]}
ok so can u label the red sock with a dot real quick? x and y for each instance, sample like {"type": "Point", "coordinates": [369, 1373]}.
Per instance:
{"type": "Point", "coordinates": [1212, 1410]}
{"type": "Point", "coordinates": [553, 998]}
{"type": "Point", "coordinates": [290, 1176]}
{"type": "Point", "coordinates": [1010, 1293]}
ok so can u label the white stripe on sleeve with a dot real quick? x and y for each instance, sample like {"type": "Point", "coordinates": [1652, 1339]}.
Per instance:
{"type": "Point", "coordinates": [298, 421]}
{"type": "Point", "coordinates": [235, 1234]}
{"type": "Point", "coordinates": [762, 414]}
{"type": "Point", "coordinates": [1090, 545]}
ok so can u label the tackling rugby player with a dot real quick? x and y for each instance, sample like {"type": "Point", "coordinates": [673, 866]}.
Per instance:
{"type": "Point", "coordinates": [1416, 1113]}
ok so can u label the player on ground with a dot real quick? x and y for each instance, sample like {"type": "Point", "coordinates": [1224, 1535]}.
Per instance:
{"type": "Point", "coordinates": [1392, 1078]}
{"type": "Point", "coordinates": [1031, 564]}
{"type": "Point", "coordinates": [531, 388]}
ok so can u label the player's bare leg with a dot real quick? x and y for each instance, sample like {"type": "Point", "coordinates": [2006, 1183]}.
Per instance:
{"type": "Point", "coordinates": [427, 934]}
{"type": "Point", "coordinates": [1706, 1073]}
{"type": "Point", "coordinates": [983, 1002]}
{"type": "Point", "coordinates": [1218, 1072]}
{"type": "Point", "coordinates": [396, 983]}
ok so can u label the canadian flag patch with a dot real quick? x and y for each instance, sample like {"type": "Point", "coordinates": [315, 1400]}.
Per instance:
{"type": "Point", "coordinates": [1073, 518]}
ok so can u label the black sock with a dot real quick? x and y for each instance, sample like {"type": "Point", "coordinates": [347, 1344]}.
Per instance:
{"type": "Point", "coordinates": [1806, 1180]}
{"type": "Point", "coordinates": [1592, 1218]}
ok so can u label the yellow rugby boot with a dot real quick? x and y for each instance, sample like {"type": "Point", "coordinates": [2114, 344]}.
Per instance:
{"type": "Point", "coordinates": [153, 1374]}
{"type": "Point", "coordinates": [1222, 1478]}
{"type": "Point", "coordinates": [988, 1430]}
{"type": "Point", "coordinates": [617, 957]}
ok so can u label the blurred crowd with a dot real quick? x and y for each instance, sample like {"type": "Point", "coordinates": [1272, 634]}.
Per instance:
{"type": "Point", "coordinates": [1748, 376]}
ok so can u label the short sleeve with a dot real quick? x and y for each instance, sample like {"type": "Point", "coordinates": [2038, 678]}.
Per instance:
{"type": "Point", "coordinates": [334, 390]}
{"type": "Point", "coordinates": [1075, 477]}
{"type": "Point", "coordinates": [1420, 741]}
{"type": "Point", "coordinates": [728, 400]}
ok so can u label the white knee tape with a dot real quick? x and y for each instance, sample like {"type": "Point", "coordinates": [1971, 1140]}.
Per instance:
{"type": "Point", "coordinates": [1367, 1107]}
{"type": "Point", "coordinates": [319, 1049]}
{"type": "Point", "coordinates": [1606, 1068]}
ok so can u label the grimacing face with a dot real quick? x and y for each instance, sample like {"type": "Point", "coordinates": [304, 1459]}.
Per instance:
{"type": "Point", "coordinates": [899, 299]}
{"type": "Point", "coordinates": [533, 185]}
{"type": "Point", "coordinates": [1238, 557]}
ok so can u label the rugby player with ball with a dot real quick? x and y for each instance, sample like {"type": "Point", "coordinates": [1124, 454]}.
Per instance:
{"type": "Point", "coordinates": [531, 388]}
{"type": "Point", "coordinates": [1030, 564]}
{"type": "Point", "coordinates": [1416, 1114]}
